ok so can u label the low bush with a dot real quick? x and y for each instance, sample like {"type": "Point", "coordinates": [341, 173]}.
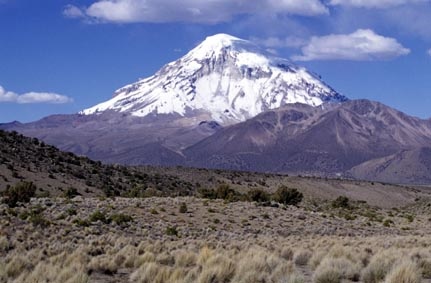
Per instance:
{"type": "Point", "coordinates": [341, 202]}
{"type": "Point", "coordinates": [172, 231]}
{"type": "Point", "coordinates": [183, 208]}
{"type": "Point", "coordinates": [71, 193]}
{"type": "Point", "coordinates": [21, 192]}
{"type": "Point", "coordinates": [258, 195]}
{"type": "Point", "coordinates": [81, 222]}
{"type": "Point", "coordinates": [120, 218]}
{"type": "Point", "coordinates": [288, 196]}
{"type": "Point", "coordinates": [99, 216]}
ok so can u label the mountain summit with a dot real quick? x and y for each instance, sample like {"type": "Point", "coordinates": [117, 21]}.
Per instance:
{"type": "Point", "coordinates": [225, 78]}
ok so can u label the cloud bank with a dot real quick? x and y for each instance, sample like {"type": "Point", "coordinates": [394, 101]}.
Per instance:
{"type": "Point", "coordinates": [33, 97]}
{"type": "Point", "coordinates": [198, 11]}
{"type": "Point", "coordinates": [361, 45]}
{"type": "Point", "coordinates": [374, 3]}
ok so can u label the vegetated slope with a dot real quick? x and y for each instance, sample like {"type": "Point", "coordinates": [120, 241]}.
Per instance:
{"type": "Point", "coordinates": [302, 139]}
{"type": "Point", "coordinates": [384, 195]}
{"type": "Point", "coordinates": [117, 138]}
{"type": "Point", "coordinates": [407, 166]}
{"type": "Point", "coordinates": [54, 171]}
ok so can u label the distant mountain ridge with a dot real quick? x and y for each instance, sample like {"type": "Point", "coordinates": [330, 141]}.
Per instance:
{"type": "Point", "coordinates": [312, 140]}
{"type": "Point", "coordinates": [226, 78]}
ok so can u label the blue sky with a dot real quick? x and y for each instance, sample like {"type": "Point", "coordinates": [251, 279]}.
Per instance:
{"type": "Point", "coordinates": [61, 56]}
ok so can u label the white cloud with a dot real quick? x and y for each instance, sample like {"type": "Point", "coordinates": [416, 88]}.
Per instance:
{"type": "Point", "coordinates": [71, 11]}
{"type": "Point", "coordinates": [33, 97]}
{"type": "Point", "coordinates": [362, 45]}
{"type": "Point", "coordinates": [198, 11]}
{"type": "Point", "coordinates": [374, 3]}
{"type": "Point", "coordinates": [276, 42]}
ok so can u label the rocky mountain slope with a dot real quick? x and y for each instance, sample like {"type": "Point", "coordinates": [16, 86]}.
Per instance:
{"type": "Point", "coordinates": [406, 166]}
{"type": "Point", "coordinates": [321, 140]}
{"type": "Point", "coordinates": [54, 172]}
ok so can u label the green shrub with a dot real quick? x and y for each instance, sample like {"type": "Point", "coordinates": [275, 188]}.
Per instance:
{"type": "Point", "coordinates": [99, 216]}
{"type": "Point", "coordinates": [81, 222]}
{"type": "Point", "coordinates": [21, 192]}
{"type": "Point", "coordinates": [71, 211]}
{"type": "Point", "coordinates": [224, 191]}
{"type": "Point", "coordinates": [207, 193]}
{"type": "Point", "coordinates": [409, 217]}
{"type": "Point", "coordinates": [341, 202]}
{"type": "Point", "coordinates": [171, 231]}
{"type": "Point", "coordinates": [288, 196]}
{"type": "Point", "coordinates": [183, 208]}
{"type": "Point", "coordinates": [388, 223]}
{"type": "Point", "coordinates": [39, 220]}
{"type": "Point", "coordinates": [258, 195]}
{"type": "Point", "coordinates": [35, 216]}
{"type": "Point", "coordinates": [71, 193]}
{"type": "Point", "coordinates": [121, 218]}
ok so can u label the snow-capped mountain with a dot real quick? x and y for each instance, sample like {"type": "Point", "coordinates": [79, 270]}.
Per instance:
{"type": "Point", "coordinates": [226, 77]}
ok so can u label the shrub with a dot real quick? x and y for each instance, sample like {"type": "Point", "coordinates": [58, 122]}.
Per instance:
{"type": "Point", "coordinates": [258, 195]}
{"type": "Point", "coordinates": [183, 208]}
{"type": "Point", "coordinates": [71, 193]}
{"type": "Point", "coordinates": [35, 216]}
{"type": "Point", "coordinates": [121, 218]}
{"type": "Point", "coordinates": [288, 196]}
{"type": "Point", "coordinates": [71, 211]}
{"type": "Point", "coordinates": [224, 191]}
{"type": "Point", "coordinates": [39, 220]}
{"type": "Point", "coordinates": [341, 202]}
{"type": "Point", "coordinates": [21, 192]}
{"type": "Point", "coordinates": [171, 231]}
{"type": "Point", "coordinates": [207, 193]}
{"type": "Point", "coordinates": [388, 223]}
{"type": "Point", "coordinates": [81, 222]}
{"type": "Point", "coordinates": [99, 216]}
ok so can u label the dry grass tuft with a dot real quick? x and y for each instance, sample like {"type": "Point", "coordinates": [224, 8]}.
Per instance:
{"type": "Point", "coordinates": [380, 265]}
{"type": "Point", "coordinates": [217, 268]}
{"type": "Point", "coordinates": [302, 257]}
{"type": "Point", "coordinates": [334, 270]}
{"type": "Point", "coordinates": [151, 273]}
{"type": "Point", "coordinates": [405, 272]}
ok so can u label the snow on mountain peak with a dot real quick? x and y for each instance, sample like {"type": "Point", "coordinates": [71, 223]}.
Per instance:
{"type": "Point", "coordinates": [228, 78]}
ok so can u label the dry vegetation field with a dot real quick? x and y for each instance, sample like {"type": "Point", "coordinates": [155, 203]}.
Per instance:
{"type": "Point", "coordinates": [188, 239]}
{"type": "Point", "coordinates": [83, 221]}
